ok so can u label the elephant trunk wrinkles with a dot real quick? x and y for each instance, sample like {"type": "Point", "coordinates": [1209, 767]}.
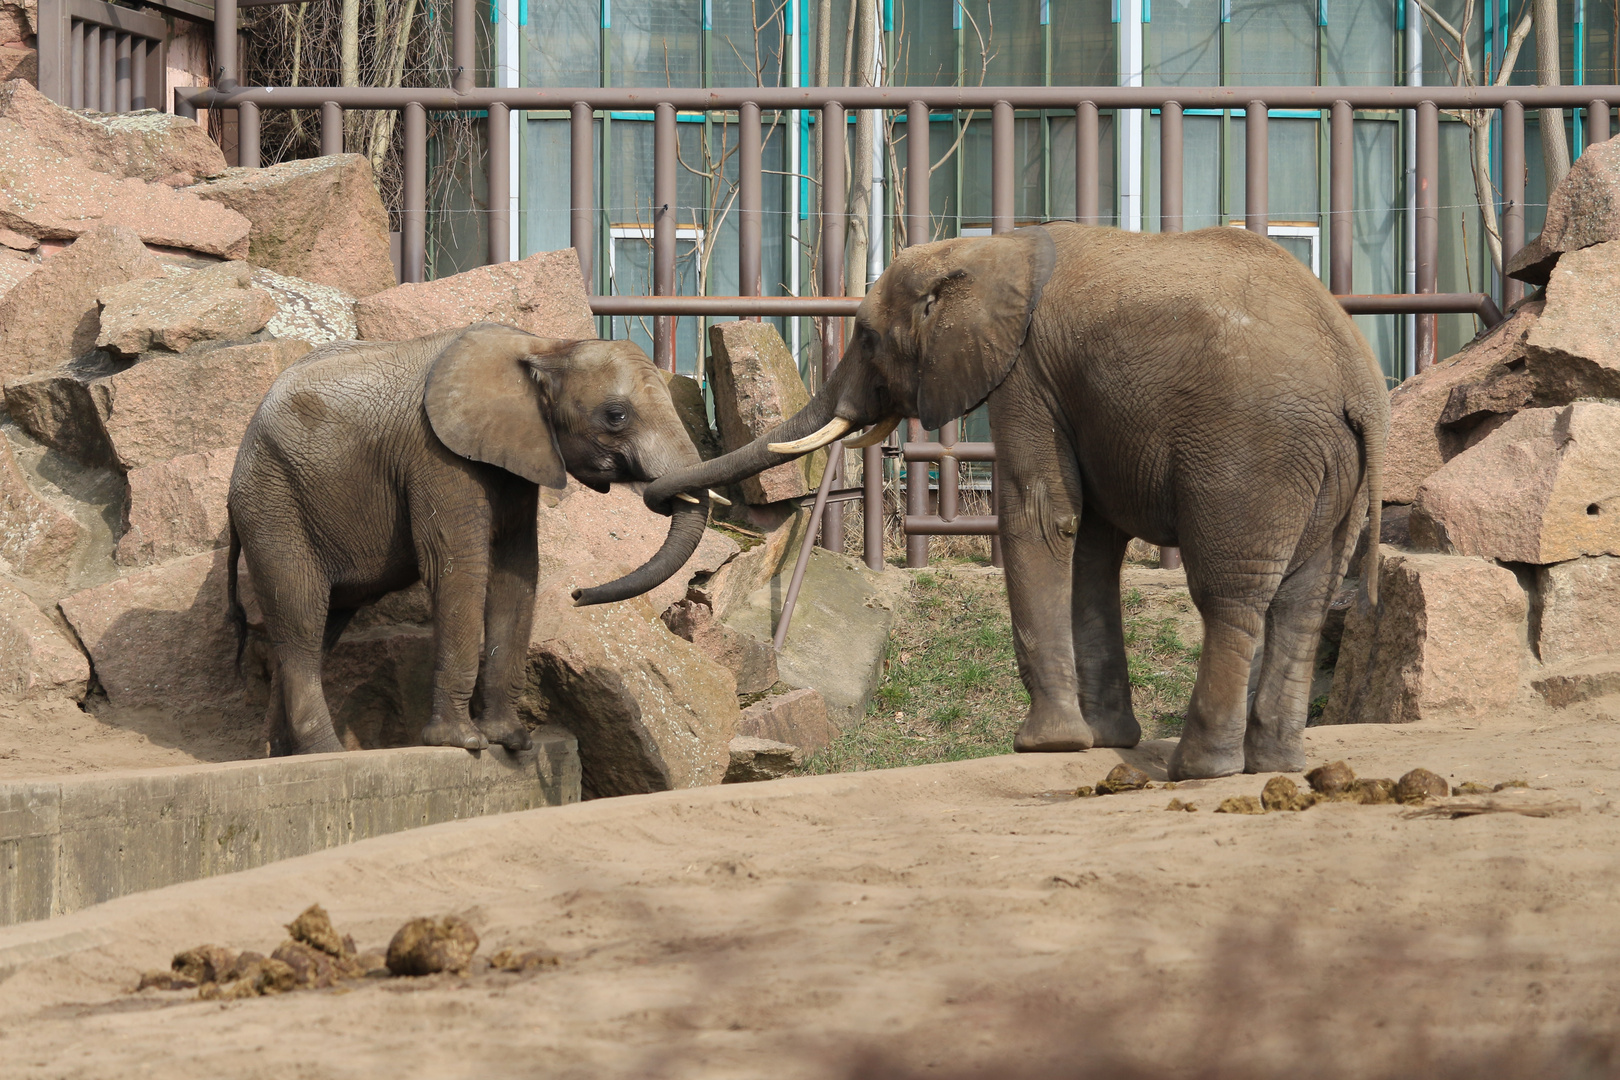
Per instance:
{"type": "Point", "coordinates": [745, 461]}
{"type": "Point", "coordinates": [686, 525]}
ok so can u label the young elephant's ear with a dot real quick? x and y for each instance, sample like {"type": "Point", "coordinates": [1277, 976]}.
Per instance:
{"type": "Point", "coordinates": [976, 316]}
{"type": "Point", "coordinates": [485, 404]}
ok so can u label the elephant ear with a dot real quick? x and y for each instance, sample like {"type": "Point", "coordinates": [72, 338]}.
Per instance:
{"type": "Point", "coordinates": [978, 315]}
{"type": "Point", "coordinates": [485, 402]}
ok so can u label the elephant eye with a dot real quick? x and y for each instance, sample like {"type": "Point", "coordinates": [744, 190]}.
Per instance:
{"type": "Point", "coordinates": [615, 415]}
{"type": "Point", "coordinates": [928, 304]}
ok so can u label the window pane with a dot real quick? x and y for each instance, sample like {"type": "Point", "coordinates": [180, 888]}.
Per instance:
{"type": "Point", "coordinates": [545, 224]}
{"type": "Point", "coordinates": [631, 173]}
{"type": "Point", "coordinates": [1602, 57]}
{"type": "Point", "coordinates": [656, 43]}
{"type": "Point", "coordinates": [976, 165]}
{"type": "Point", "coordinates": [1292, 193]}
{"type": "Point", "coordinates": [1063, 164]}
{"type": "Point", "coordinates": [1462, 251]}
{"type": "Point", "coordinates": [1200, 173]}
{"type": "Point", "coordinates": [1083, 43]}
{"type": "Point", "coordinates": [838, 37]}
{"type": "Point", "coordinates": [562, 45]}
{"type": "Point", "coordinates": [926, 43]}
{"type": "Point", "coordinates": [1184, 43]}
{"type": "Point", "coordinates": [743, 54]}
{"type": "Point", "coordinates": [458, 218]}
{"type": "Point", "coordinates": [1001, 43]}
{"type": "Point", "coordinates": [632, 276]}
{"type": "Point", "coordinates": [1272, 43]}
{"type": "Point", "coordinates": [1358, 43]}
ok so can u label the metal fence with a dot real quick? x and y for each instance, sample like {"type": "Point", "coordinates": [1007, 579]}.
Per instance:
{"type": "Point", "coordinates": [744, 106]}
{"type": "Point", "coordinates": [93, 55]}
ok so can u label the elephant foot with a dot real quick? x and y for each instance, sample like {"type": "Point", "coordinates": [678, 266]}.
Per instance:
{"type": "Point", "coordinates": [460, 733]}
{"type": "Point", "coordinates": [324, 743]}
{"type": "Point", "coordinates": [1114, 731]}
{"type": "Point", "coordinates": [1196, 759]}
{"type": "Point", "coordinates": [1053, 729]}
{"type": "Point", "coordinates": [509, 732]}
{"type": "Point", "coordinates": [1265, 751]}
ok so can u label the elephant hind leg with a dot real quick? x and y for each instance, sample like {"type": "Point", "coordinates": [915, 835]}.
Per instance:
{"type": "Point", "coordinates": [1099, 634]}
{"type": "Point", "coordinates": [295, 602]}
{"type": "Point", "coordinates": [1234, 620]}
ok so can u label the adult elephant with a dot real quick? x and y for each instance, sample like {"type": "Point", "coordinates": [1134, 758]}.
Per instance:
{"type": "Point", "coordinates": [370, 466]}
{"type": "Point", "coordinates": [1200, 390]}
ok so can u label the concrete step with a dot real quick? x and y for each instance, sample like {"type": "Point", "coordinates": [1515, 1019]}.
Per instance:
{"type": "Point", "coordinates": [1578, 680]}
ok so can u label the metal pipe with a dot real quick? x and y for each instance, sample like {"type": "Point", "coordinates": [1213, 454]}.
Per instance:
{"type": "Point", "coordinates": [833, 212]}
{"type": "Point", "coordinates": [1597, 121]}
{"type": "Point", "coordinates": [582, 187]}
{"type": "Point", "coordinates": [919, 228]}
{"type": "Point", "coordinates": [965, 525]}
{"type": "Point", "coordinates": [1341, 199]}
{"type": "Point", "coordinates": [1002, 176]}
{"type": "Point", "coordinates": [91, 98]}
{"type": "Point", "coordinates": [413, 234]}
{"type": "Point", "coordinates": [1479, 303]}
{"type": "Point", "coordinates": [665, 162]}
{"type": "Point", "coordinates": [225, 70]}
{"type": "Point", "coordinates": [500, 183]}
{"type": "Point", "coordinates": [1512, 195]}
{"type": "Point", "coordinates": [1171, 217]}
{"type": "Point", "coordinates": [463, 45]}
{"type": "Point", "coordinates": [995, 505]}
{"type": "Point", "coordinates": [872, 506]}
{"type": "Point", "coordinates": [750, 201]}
{"type": "Point", "coordinates": [1087, 209]}
{"type": "Point", "coordinates": [123, 77]}
{"type": "Point", "coordinates": [247, 135]}
{"type": "Point", "coordinates": [962, 451]}
{"type": "Point", "coordinates": [109, 72]}
{"type": "Point", "coordinates": [818, 522]}
{"type": "Point", "coordinates": [916, 491]}
{"type": "Point", "coordinates": [1428, 227]}
{"type": "Point", "coordinates": [138, 62]}
{"type": "Point", "coordinates": [185, 104]}
{"type": "Point", "coordinates": [950, 477]}
{"type": "Point", "coordinates": [76, 65]}
{"type": "Point", "coordinates": [1256, 166]}
{"type": "Point", "coordinates": [331, 128]}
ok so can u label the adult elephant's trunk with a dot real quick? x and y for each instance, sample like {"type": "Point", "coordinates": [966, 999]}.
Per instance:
{"type": "Point", "coordinates": [686, 525]}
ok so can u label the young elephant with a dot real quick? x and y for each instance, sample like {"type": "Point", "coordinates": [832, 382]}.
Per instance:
{"type": "Point", "coordinates": [370, 466]}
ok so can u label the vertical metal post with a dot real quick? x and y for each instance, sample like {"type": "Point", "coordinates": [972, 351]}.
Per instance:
{"type": "Point", "coordinates": [918, 231]}
{"type": "Point", "coordinates": [123, 77]}
{"type": "Point", "coordinates": [665, 162]}
{"type": "Point", "coordinates": [750, 200]}
{"type": "Point", "coordinates": [995, 508]}
{"type": "Point", "coordinates": [331, 128]}
{"type": "Point", "coordinates": [1341, 199]}
{"type": "Point", "coordinates": [90, 98]}
{"type": "Point", "coordinates": [1086, 205]}
{"type": "Point", "coordinates": [463, 45]}
{"type": "Point", "coordinates": [950, 490]}
{"type": "Point", "coordinates": [1512, 196]}
{"type": "Point", "coordinates": [581, 189]}
{"type": "Point", "coordinates": [413, 238]}
{"type": "Point", "coordinates": [833, 206]}
{"type": "Point", "coordinates": [1257, 160]}
{"type": "Point", "coordinates": [500, 183]}
{"type": "Point", "coordinates": [138, 66]}
{"type": "Point", "coordinates": [1171, 216]}
{"type": "Point", "coordinates": [1428, 227]}
{"type": "Point", "coordinates": [1597, 121]}
{"type": "Point", "coordinates": [247, 135]}
{"type": "Point", "coordinates": [109, 72]}
{"type": "Point", "coordinates": [76, 66]}
{"type": "Point", "coordinates": [872, 506]}
{"type": "Point", "coordinates": [225, 73]}
{"type": "Point", "coordinates": [1002, 175]}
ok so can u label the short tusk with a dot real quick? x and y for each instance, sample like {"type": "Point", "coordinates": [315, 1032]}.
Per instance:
{"type": "Point", "coordinates": [879, 432]}
{"type": "Point", "coordinates": [687, 497]}
{"type": "Point", "coordinates": [715, 496]}
{"type": "Point", "coordinates": [836, 429]}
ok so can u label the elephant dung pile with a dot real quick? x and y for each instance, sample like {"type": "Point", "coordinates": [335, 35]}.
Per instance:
{"type": "Point", "coordinates": [1502, 486]}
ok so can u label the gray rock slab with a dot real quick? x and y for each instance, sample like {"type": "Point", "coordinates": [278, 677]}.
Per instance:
{"type": "Point", "coordinates": [68, 843]}
{"type": "Point", "coordinates": [840, 628]}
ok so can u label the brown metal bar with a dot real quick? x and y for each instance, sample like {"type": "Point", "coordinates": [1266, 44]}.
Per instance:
{"type": "Point", "coordinates": [76, 67]}
{"type": "Point", "coordinates": [247, 135]}
{"type": "Point", "coordinates": [962, 451]}
{"type": "Point", "coordinates": [123, 76]}
{"type": "Point", "coordinates": [916, 493]}
{"type": "Point", "coordinates": [950, 477]}
{"type": "Point", "coordinates": [750, 201]}
{"type": "Point", "coordinates": [91, 96]}
{"type": "Point", "coordinates": [1086, 199]}
{"type": "Point", "coordinates": [1512, 195]}
{"type": "Point", "coordinates": [331, 128]}
{"type": "Point", "coordinates": [818, 521]}
{"type": "Point", "coordinates": [109, 72]}
{"type": "Point", "coordinates": [581, 187]}
{"type": "Point", "coordinates": [185, 104]}
{"type": "Point", "coordinates": [225, 69]}
{"type": "Point", "coordinates": [872, 506]}
{"type": "Point", "coordinates": [1480, 304]}
{"type": "Point", "coordinates": [1002, 176]}
{"type": "Point", "coordinates": [1341, 198]}
{"type": "Point", "coordinates": [833, 213]}
{"type": "Point", "coordinates": [1257, 166]}
{"type": "Point", "coordinates": [1428, 227]}
{"type": "Point", "coordinates": [413, 234]}
{"type": "Point", "coordinates": [919, 227]}
{"type": "Point", "coordinates": [1597, 121]}
{"type": "Point", "coordinates": [463, 45]}
{"type": "Point", "coordinates": [138, 71]}
{"type": "Point", "coordinates": [934, 525]}
{"type": "Point", "coordinates": [500, 183]}
{"type": "Point", "coordinates": [996, 559]}
{"type": "Point", "coordinates": [665, 162]}
{"type": "Point", "coordinates": [1170, 168]}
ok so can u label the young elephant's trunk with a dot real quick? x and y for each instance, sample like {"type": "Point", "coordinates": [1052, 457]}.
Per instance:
{"type": "Point", "coordinates": [686, 525]}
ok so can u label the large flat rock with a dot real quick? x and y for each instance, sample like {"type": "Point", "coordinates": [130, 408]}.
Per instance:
{"type": "Point", "coordinates": [543, 294]}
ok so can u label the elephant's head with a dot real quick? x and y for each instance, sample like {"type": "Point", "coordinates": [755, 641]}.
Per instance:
{"type": "Point", "coordinates": [938, 332]}
{"type": "Point", "coordinates": [543, 407]}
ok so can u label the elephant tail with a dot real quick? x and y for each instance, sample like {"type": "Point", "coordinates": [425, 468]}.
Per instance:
{"type": "Point", "coordinates": [1371, 421]}
{"type": "Point", "coordinates": [238, 614]}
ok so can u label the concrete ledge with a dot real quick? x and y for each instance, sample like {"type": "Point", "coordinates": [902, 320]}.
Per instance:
{"type": "Point", "coordinates": [68, 843]}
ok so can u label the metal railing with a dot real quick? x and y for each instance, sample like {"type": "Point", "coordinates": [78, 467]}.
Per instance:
{"type": "Point", "coordinates": [1337, 104]}
{"type": "Point", "coordinates": [93, 55]}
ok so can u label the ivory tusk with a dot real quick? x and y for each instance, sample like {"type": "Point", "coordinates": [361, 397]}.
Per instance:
{"type": "Point", "coordinates": [715, 496]}
{"type": "Point", "coordinates": [879, 432]}
{"type": "Point", "coordinates": [836, 429]}
{"type": "Point", "coordinates": [687, 497]}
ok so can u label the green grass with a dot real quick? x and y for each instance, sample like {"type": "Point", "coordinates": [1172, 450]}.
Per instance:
{"type": "Point", "coordinates": [951, 690]}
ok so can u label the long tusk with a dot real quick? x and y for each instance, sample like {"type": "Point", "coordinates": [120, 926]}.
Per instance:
{"type": "Point", "coordinates": [879, 432]}
{"type": "Point", "coordinates": [836, 429]}
{"type": "Point", "coordinates": [687, 497]}
{"type": "Point", "coordinates": [715, 496]}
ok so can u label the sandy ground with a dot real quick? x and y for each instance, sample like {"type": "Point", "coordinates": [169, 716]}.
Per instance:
{"type": "Point", "coordinates": [927, 921]}
{"type": "Point", "coordinates": [58, 738]}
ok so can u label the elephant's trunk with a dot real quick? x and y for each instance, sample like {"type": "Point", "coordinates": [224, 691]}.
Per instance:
{"type": "Point", "coordinates": [745, 461]}
{"type": "Point", "coordinates": [686, 525]}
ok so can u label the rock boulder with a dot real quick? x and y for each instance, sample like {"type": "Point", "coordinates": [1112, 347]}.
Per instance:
{"type": "Point", "coordinates": [1584, 209]}
{"type": "Point", "coordinates": [1577, 614]}
{"type": "Point", "coordinates": [1573, 350]}
{"type": "Point", "coordinates": [798, 717]}
{"type": "Point", "coordinates": [37, 659]}
{"type": "Point", "coordinates": [177, 507]}
{"type": "Point", "coordinates": [182, 309]}
{"type": "Point", "coordinates": [305, 310]}
{"type": "Point", "coordinates": [36, 538]}
{"type": "Point", "coordinates": [145, 145]}
{"type": "Point", "coordinates": [543, 294]}
{"type": "Point", "coordinates": [751, 662]}
{"type": "Point", "coordinates": [756, 387]}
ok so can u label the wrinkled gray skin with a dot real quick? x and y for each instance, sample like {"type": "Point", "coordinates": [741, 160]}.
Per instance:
{"type": "Point", "coordinates": [371, 466]}
{"type": "Point", "coordinates": [1201, 390]}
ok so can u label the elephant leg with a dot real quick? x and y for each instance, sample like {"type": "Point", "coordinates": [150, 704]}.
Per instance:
{"type": "Point", "coordinates": [1234, 620]}
{"type": "Point", "coordinates": [1099, 634]}
{"type": "Point", "coordinates": [294, 600]}
{"type": "Point", "coordinates": [337, 620]}
{"type": "Point", "coordinates": [509, 616]}
{"type": "Point", "coordinates": [458, 582]}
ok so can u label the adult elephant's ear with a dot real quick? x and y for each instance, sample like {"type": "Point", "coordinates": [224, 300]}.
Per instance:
{"type": "Point", "coordinates": [485, 403]}
{"type": "Point", "coordinates": [976, 316]}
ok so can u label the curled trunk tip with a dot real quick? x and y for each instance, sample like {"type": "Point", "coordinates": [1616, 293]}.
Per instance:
{"type": "Point", "coordinates": [686, 525]}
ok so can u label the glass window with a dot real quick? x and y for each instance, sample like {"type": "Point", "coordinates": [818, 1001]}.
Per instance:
{"type": "Point", "coordinates": [925, 43]}
{"type": "Point", "coordinates": [1602, 49]}
{"type": "Point", "coordinates": [1271, 43]}
{"type": "Point", "coordinates": [656, 43]}
{"type": "Point", "coordinates": [977, 159]}
{"type": "Point", "coordinates": [743, 52]}
{"type": "Point", "coordinates": [630, 269]}
{"type": "Point", "coordinates": [1359, 43]}
{"type": "Point", "coordinates": [839, 38]}
{"type": "Point", "coordinates": [1001, 43]}
{"type": "Point", "coordinates": [1462, 265]}
{"type": "Point", "coordinates": [458, 207]}
{"type": "Point", "coordinates": [562, 45]}
{"type": "Point", "coordinates": [1200, 173]}
{"type": "Point", "coordinates": [1083, 43]}
{"type": "Point", "coordinates": [1376, 232]}
{"type": "Point", "coordinates": [1063, 164]}
{"type": "Point", "coordinates": [545, 218]}
{"type": "Point", "coordinates": [1292, 194]}
{"type": "Point", "coordinates": [1183, 46]}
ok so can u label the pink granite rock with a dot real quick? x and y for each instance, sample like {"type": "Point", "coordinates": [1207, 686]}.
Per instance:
{"type": "Point", "coordinates": [177, 507]}
{"type": "Point", "coordinates": [37, 659]}
{"type": "Point", "coordinates": [756, 387]}
{"type": "Point", "coordinates": [147, 145]}
{"type": "Point", "coordinates": [36, 538]}
{"type": "Point", "coordinates": [182, 309]}
{"type": "Point", "coordinates": [543, 294]}
{"type": "Point", "coordinates": [751, 661]}
{"type": "Point", "coordinates": [1578, 610]}
{"type": "Point", "coordinates": [1573, 350]}
{"type": "Point", "coordinates": [1584, 209]}
{"type": "Point", "coordinates": [798, 717]}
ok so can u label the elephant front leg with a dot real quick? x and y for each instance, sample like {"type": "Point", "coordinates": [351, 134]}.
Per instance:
{"type": "Point", "coordinates": [508, 618]}
{"type": "Point", "coordinates": [1099, 634]}
{"type": "Point", "coordinates": [458, 617]}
